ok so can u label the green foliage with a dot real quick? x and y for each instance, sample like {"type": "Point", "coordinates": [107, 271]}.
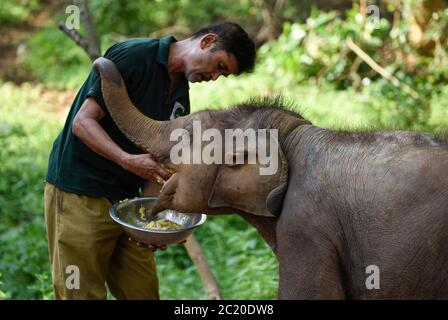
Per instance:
{"type": "Point", "coordinates": [439, 110]}
{"type": "Point", "coordinates": [25, 136]}
{"type": "Point", "coordinates": [51, 57]}
{"type": "Point", "coordinates": [183, 17]}
{"type": "Point", "coordinates": [141, 17]}
{"type": "Point", "coordinates": [15, 11]}
{"type": "Point", "coordinates": [316, 49]}
{"type": "Point", "coordinates": [3, 295]}
{"type": "Point", "coordinates": [25, 254]}
{"type": "Point", "coordinates": [316, 53]}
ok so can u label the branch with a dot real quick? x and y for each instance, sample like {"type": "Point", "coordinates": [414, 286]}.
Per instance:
{"type": "Point", "coordinates": [92, 39]}
{"type": "Point", "coordinates": [196, 254]}
{"type": "Point", "coordinates": [383, 72]}
{"type": "Point", "coordinates": [74, 35]}
{"type": "Point", "coordinates": [90, 42]}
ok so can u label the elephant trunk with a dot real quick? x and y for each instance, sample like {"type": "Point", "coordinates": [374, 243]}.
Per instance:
{"type": "Point", "coordinates": [144, 132]}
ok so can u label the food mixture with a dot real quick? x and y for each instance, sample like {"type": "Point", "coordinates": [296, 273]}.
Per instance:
{"type": "Point", "coordinates": [162, 224]}
{"type": "Point", "coordinates": [142, 212]}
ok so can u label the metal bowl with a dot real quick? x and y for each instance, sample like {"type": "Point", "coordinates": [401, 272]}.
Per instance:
{"type": "Point", "coordinates": [127, 214]}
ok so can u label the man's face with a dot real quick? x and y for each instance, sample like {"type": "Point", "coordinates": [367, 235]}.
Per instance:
{"type": "Point", "coordinates": [204, 64]}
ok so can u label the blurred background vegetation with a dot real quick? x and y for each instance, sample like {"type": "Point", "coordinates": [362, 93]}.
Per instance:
{"type": "Point", "coordinates": [304, 52]}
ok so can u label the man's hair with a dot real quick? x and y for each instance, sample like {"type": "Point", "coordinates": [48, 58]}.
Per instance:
{"type": "Point", "coordinates": [232, 39]}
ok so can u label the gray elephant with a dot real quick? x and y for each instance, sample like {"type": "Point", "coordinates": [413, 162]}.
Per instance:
{"type": "Point", "coordinates": [349, 215]}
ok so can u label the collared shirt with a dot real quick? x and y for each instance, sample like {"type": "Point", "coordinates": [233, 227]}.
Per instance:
{"type": "Point", "coordinates": [142, 62]}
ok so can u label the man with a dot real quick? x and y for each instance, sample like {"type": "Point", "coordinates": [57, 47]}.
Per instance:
{"type": "Point", "coordinates": [92, 164]}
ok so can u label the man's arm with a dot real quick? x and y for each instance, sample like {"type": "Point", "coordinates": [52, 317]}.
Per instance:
{"type": "Point", "coordinates": [86, 127]}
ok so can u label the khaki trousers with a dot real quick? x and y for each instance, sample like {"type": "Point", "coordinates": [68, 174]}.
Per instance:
{"type": "Point", "coordinates": [88, 249]}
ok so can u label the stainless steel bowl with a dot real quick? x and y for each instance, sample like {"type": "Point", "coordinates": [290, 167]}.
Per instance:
{"type": "Point", "coordinates": [127, 214]}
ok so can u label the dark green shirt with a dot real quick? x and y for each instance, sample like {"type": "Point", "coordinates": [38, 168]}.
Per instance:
{"type": "Point", "coordinates": [73, 166]}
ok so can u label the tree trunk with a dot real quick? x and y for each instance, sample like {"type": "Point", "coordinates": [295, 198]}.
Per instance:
{"type": "Point", "coordinates": [93, 41]}
{"type": "Point", "coordinates": [196, 254]}
{"type": "Point", "coordinates": [90, 42]}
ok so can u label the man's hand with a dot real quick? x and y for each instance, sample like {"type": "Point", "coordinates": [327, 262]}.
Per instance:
{"type": "Point", "coordinates": [144, 166]}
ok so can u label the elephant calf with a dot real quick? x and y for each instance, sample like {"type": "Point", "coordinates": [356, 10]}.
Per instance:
{"type": "Point", "coordinates": [340, 204]}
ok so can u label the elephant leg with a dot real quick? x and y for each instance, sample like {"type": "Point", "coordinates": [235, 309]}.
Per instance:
{"type": "Point", "coordinates": [309, 267]}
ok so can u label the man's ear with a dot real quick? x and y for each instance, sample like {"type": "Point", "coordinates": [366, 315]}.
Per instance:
{"type": "Point", "coordinates": [242, 187]}
{"type": "Point", "coordinates": [208, 40]}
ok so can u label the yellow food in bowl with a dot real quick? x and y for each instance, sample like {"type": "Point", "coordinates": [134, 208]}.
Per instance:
{"type": "Point", "coordinates": [142, 212]}
{"type": "Point", "coordinates": [163, 224]}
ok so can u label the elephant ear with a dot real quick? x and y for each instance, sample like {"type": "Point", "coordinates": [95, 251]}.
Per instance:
{"type": "Point", "coordinates": [242, 187]}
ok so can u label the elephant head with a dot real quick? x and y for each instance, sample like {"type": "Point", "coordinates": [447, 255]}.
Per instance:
{"type": "Point", "coordinates": [212, 188]}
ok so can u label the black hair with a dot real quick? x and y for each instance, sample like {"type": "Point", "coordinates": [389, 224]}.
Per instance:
{"type": "Point", "coordinates": [233, 39]}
